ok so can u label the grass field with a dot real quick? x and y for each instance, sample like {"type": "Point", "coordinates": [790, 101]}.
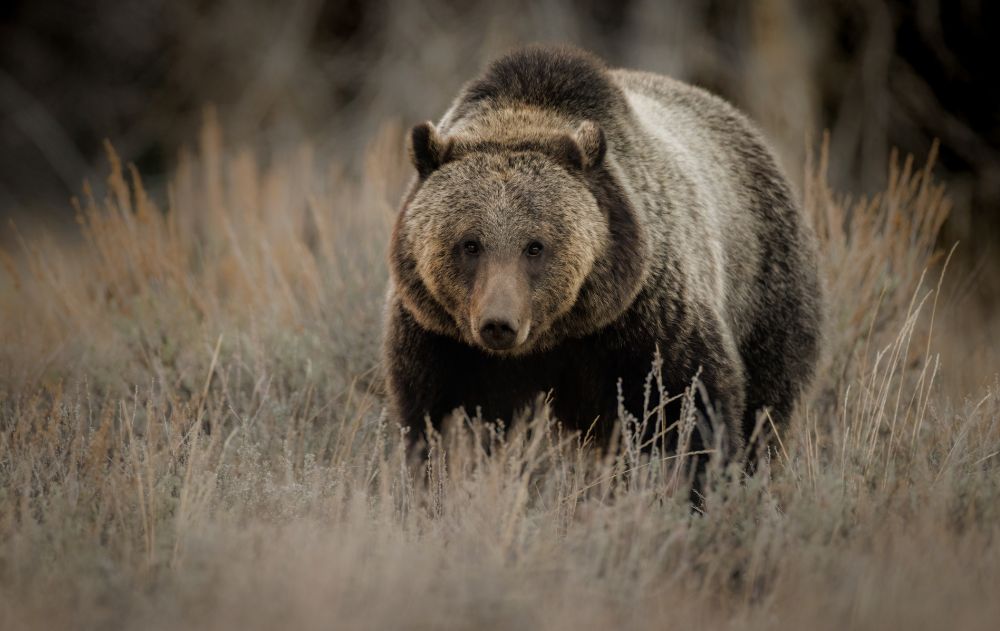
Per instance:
{"type": "Point", "coordinates": [192, 435]}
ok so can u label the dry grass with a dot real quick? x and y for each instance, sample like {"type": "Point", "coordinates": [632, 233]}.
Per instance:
{"type": "Point", "coordinates": [191, 435]}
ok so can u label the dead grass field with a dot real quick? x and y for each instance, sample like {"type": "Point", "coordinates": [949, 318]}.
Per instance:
{"type": "Point", "coordinates": [192, 436]}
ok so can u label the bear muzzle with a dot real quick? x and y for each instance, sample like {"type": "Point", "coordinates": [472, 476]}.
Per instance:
{"type": "Point", "coordinates": [499, 335]}
{"type": "Point", "coordinates": [500, 315]}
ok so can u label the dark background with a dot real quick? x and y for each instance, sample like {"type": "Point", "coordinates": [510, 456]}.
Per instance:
{"type": "Point", "coordinates": [877, 74]}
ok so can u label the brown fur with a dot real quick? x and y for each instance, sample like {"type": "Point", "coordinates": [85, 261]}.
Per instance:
{"type": "Point", "coordinates": [656, 219]}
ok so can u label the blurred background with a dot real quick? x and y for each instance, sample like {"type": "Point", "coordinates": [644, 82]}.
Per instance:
{"type": "Point", "coordinates": [877, 74]}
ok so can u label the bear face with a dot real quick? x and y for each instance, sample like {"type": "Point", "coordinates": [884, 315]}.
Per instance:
{"type": "Point", "coordinates": [464, 255]}
{"type": "Point", "coordinates": [503, 242]}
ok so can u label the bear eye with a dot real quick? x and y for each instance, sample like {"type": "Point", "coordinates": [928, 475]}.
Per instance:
{"type": "Point", "coordinates": [534, 249]}
{"type": "Point", "coordinates": [471, 248]}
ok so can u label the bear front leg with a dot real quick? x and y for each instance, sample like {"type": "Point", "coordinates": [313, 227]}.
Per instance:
{"type": "Point", "coordinates": [719, 396]}
{"type": "Point", "coordinates": [718, 406]}
{"type": "Point", "coordinates": [418, 374]}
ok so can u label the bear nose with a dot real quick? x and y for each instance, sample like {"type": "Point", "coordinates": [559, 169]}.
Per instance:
{"type": "Point", "coordinates": [498, 334]}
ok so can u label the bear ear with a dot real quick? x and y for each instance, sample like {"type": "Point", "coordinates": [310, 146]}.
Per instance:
{"type": "Point", "coordinates": [589, 137]}
{"type": "Point", "coordinates": [427, 149]}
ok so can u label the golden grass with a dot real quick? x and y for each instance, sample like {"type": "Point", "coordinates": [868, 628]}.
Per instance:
{"type": "Point", "coordinates": [191, 435]}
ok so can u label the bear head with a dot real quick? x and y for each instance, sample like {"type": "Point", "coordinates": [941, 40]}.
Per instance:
{"type": "Point", "coordinates": [513, 243]}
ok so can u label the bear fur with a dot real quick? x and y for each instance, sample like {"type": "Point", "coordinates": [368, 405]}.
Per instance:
{"type": "Point", "coordinates": [568, 221]}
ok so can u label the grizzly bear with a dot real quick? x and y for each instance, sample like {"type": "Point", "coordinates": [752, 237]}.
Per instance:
{"type": "Point", "coordinates": [566, 223]}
